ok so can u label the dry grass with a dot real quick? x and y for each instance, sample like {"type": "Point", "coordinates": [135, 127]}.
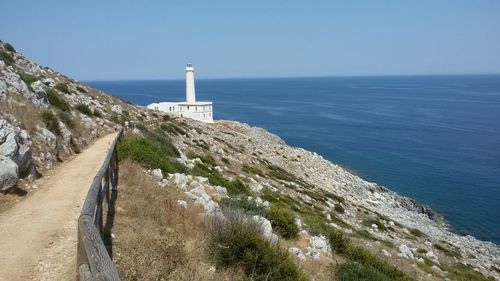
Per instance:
{"type": "Point", "coordinates": [23, 110]}
{"type": "Point", "coordinates": [155, 238]}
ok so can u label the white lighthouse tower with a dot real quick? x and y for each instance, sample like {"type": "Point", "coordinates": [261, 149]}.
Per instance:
{"type": "Point", "coordinates": [197, 110]}
{"type": "Point", "coordinates": [190, 90]}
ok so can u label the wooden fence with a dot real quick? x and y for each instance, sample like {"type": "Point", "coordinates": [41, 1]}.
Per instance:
{"type": "Point", "coordinates": [93, 257]}
{"type": "Point", "coordinates": [94, 250]}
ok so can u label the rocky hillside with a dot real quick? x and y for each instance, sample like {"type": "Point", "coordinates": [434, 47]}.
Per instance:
{"type": "Point", "coordinates": [46, 117]}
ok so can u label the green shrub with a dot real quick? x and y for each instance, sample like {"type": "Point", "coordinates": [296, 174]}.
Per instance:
{"type": "Point", "coordinates": [62, 87]}
{"type": "Point", "coordinates": [149, 153]}
{"type": "Point", "coordinates": [446, 251]}
{"type": "Point", "coordinates": [6, 57]}
{"type": "Point", "coordinates": [351, 271]}
{"type": "Point", "coordinates": [338, 208]}
{"type": "Point", "coordinates": [117, 118]}
{"type": "Point", "coordinates": [283, 221]}
{"type": "Point", "coordinates": [125, 113]}
{"type": "Point", "coordinates": [51, 121]}
{"type": "Point", "coordinates": [81, 89]}
{"type": "Point", "coordinates": [239, 244]}
{"type": "Point", "coordinates": [367, 259]}
{"type": "Point", "coordinates": [416, 232]}
{"type": "Point", "coordinates": [97, 113]}
{"type": "Point", "coordinates": [242, 203]}
{"type": "Point", "coordinates": [173, 128]}
{"type": "Point", "coordinates": [83, 108]}
{"type": "Point", "coordinates": [166, 117]}
{"type": "Point", "coordinates": [67, 119]}
{"type": "Point", "coordinates": [9, 47]}
{"type": "Point", "coordinates": [225, 161]}
{"type": "Point", "coordinates": [75, 146]}
{"type": "Point", "coordinates": [369, 221]}
{"type": "Point", "coordinates": [462, 272]}
{"type": "Point", "coordinates": [251, 170]}
{"type": "Point", "coordinates": [56, 100]}
{"type": "Point", "coordinates": [338, 240]}
{"type": "Point", "coordinates": [205, 158]}
{"type": "Point", "coordinates": [28, 78]}
{"type": "Point", "coordinates": [365, 234]}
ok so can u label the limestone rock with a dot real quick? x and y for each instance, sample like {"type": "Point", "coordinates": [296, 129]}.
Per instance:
{"type": "Point", "coordinates": [297, 252]}
{"type": "Point", "coordinates": [117, 109]}
{"type": "Point", "coordinates": [265, 228]}
{"type": "Point", "coordinates": [182, 203]}
{"type": "Point", "coordinates": [15, 144]}
{"type": "Point", "coordinates": [157, 174]}
{"type": "Point", "coordinates": [9, 174]}
{"type": "Point", "coordinates": [405, 252]}
{"type": "Point", "coordinates": [320, 243]}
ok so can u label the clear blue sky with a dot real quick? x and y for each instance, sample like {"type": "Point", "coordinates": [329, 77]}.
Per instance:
{"type": "Point", "coordinates": [103, 40]}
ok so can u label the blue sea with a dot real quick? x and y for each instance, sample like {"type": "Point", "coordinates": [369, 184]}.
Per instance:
{"type": "Point", "coordinates": [433, 138]}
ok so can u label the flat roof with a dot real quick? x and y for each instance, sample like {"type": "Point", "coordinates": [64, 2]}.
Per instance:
{"type": "Point", "coordinates": [196, 103]}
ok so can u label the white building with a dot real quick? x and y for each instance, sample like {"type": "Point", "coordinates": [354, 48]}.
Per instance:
{"type": "Point", "coordinates": [197, 110]}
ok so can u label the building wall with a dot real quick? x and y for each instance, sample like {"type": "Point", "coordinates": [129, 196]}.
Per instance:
{"type": "Point", "coordinates": [201, 112]}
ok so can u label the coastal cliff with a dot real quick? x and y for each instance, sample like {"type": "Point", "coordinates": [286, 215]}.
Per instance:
{"type": "Point", "coordinates": [315, 214]}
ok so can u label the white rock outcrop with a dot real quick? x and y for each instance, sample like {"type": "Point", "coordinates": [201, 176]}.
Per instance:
{"type": "Point", "coordinates": [9, 174]}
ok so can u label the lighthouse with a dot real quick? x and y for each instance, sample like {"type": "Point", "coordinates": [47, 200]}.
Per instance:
{"type": "Point", "coordinates": [190, 90]}
{"type": "Point", "coordinates": [197, 110]}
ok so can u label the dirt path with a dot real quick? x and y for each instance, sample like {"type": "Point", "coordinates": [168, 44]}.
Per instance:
{"type": "Point", "coordinates": [38, 235]}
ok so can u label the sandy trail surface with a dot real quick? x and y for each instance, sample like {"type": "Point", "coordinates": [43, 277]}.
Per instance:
{"type": "Point", "coordinates": [38, 235]}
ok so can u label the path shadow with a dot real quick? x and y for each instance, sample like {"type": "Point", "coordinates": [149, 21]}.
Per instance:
{"type": "Point", "coordinates": [110, 220]}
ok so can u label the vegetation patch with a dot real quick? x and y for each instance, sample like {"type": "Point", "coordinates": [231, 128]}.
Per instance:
{"type": "Point", "coordinates": [62, 87]}
{"type": "Point", "coordinates": [417, 233]}
{"type": "Point", "coordinates": [356, 271]}
{"type": "Point", "coordinates": [9, 47]}
{"type": "Point", "coordinates": [173, 129]}
{"type": "Point", "coordinates": [97, 113]}
{"type": "Point", "coordinates": [252, 170]}
{"type": "Point", "coordinates": [205, 158]}
{"type": "Point", "coordinates": [83, 108]}
{"type": "Point", "coordinates": [75, 146]}
{"type": "Point", "coordinates": [50, 121]}
{"type": "Point", "coordinates": [369, 221]}
{"type": "Point", "coordinates": [151, 153]}
{"type": "Point", "coordinates": [238, 243]}
{"type": "Point", "coordinates": [449, 252]}
{"type": "Point", "coordinates": [81, 89]}
{"type": "Point", "coordinates": [56, 100]}
{"type": "Point", "coordinates": [242, 203]}
{"type": "Point", "coordinates": [283, 221]}
{"type": "Point", "coordinates": [67, 119]}
{"type": "Point", "coordinates": [338, 208]}
{"type": "Point", "coordinates": [6, 57]}
{"type": "Point", "coordinates": [28, 79]}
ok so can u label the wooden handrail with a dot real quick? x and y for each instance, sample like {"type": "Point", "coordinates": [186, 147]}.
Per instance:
{"type": "Point", "coordinates": [94, 260]}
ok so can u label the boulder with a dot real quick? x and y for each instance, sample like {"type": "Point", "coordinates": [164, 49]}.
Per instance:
{"type": "Point", "coordinates": [15, 144]}
{"type": "Point", "coordinates": [40, 92]}
{"type": "Point", "coordinates": [66, 134]}
{"type": "Point", "coordinates": [265, 228]}
{"type": "Point", "coordinates": [320, 243]}
{"type": "Point", "coordinates": [9, 173]}
{"type": "Point", "coordinates": [157, 174]}
{"type": "Point", "coordinates": [405, 252]}
{"type": "Point", "coordinates": [183, 204]}
{"type": "Point", "coordinates": [117, 109]}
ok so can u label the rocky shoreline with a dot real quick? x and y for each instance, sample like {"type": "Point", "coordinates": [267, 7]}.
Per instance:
{"type": "Point", "coordinates": [257, 143]}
